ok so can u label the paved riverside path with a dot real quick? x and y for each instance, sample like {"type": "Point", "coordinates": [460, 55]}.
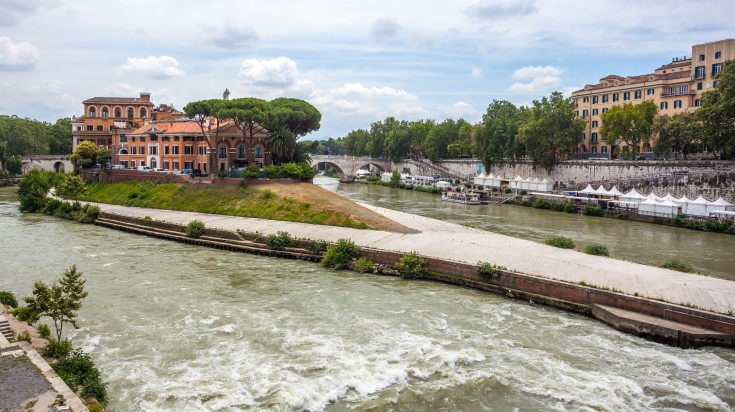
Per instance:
{"type": "Point", "coordinates": [450, 241]}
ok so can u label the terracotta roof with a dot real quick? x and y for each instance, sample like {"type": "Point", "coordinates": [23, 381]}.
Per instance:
{"type": "Point", "coordinates": [117, 100]}
{"type": "Point", "coordinates": [676, 75]}
{"type": "Point", "coordinates": [170, 127]}
{"type": "Point", "coordinates": [638, 79]}
{"type": "Point", "coordinates": [678, 63]}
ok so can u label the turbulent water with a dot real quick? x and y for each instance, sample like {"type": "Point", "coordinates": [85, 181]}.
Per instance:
{"type": "Point", "coordinates": [174, 327]}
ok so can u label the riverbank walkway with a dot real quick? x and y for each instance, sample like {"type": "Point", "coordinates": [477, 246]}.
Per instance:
{"type": "Point", "coordinates": [450, 241]}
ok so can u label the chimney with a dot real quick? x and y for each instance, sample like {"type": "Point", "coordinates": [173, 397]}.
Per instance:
{"type": "Point", "coordinates": [146, 97]}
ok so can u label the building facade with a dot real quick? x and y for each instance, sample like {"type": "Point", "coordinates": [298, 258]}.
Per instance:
{"type": "Point", "coordinates": [674, 87]}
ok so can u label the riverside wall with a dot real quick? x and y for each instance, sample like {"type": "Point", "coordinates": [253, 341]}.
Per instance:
{"type": "Point", "coordinates": [567, 296]}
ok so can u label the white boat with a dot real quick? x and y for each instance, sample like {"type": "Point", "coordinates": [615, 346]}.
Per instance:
{"type": "Point", "coordinates": [461, 197]}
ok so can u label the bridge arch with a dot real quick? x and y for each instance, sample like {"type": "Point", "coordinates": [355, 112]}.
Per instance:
{"type": "Point", "coordinates": [373, 164]}
{"type": "Point", "coordinates": [327, 165]}
{"type": "Point", "coordinates": [59, 167]}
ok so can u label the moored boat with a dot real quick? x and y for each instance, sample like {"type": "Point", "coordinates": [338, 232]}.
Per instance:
{"type": "Point", "coordinates": [461, 197]}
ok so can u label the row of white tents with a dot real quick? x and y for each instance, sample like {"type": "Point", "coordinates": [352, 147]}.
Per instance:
{"type": "Point", "coordinates": [661, 206]}
{"type": "Point", "coordinates": [518, 182]}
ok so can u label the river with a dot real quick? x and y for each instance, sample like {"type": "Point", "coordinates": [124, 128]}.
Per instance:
{"type": "Point", "coordinates": [709, 253]}
{"type": "Point", "coordinates": [175, 327]}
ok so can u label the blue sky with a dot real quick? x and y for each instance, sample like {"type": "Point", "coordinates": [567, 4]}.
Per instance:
{"type": "Point", "coordinates": [356, 61]}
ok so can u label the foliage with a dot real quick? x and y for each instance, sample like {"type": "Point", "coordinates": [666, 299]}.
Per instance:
{"type": "Point", "coordinates": [57, 349]}
{"type": "Point", "coordinates": [497, 135]}
{"type": "Point", "coordinates": [718, 113]}
{"type": "Point", "coordinates": [363, 265]}
{"type": "Point", "coordinates": [279, 241]}
{"type": "Point", "coordinates": [287, 119]}
{"type": "Point", "coordinates": [395, 178]}
{"type": "Point", "coordinates": [551, 130]}
{"type": "Point", "coordinates": [44, 330]}
{"type": "Point", "coordinates": [596, 249]}
{"type": "Point", "coordinates": [331, 146]}
{"type": "Point", "coordinates": [681, 133]}
{"type": "Point", "coordinates": [104, 156]}
{"type": "Point", "coordinates": [25, 336]}
{"type": "Point", "coordinates": [569, 208]}
{"type": "Point", "coordinates": [8, 299]}
{"type": "Point", "coordinates": [411, 266]}
{"type": "Point", "coordinates": [32, 190]}
{"type": "Point", "coordinates": [592, 210]}
{"type": "Point", "coordinates": [675, 264]}
{"type": "Point", "coordinates": [708, 225]}
{"type": "Point", "coordinates": [340, 254]}
{"type": "Point", "coordinates": [68, 185]}
{"type": "Point", "coordinates": [202, 111]}
{"type": "Point", "coordinates": [14, 164]}
{"type": "Point", "coordinates": [77, 369]}
{"type": "Point", "coordinates": [60, 137]}
{"type": "Point", "coordinates": [24, 314]}
{"type": "Point", "coordinates": [24, 137]}
{"type": "Point", "coordinates": [629, 123]}
{"type": "Point", "coordinates": [301, 171]}
{"type": "Point", "coordinates": [251, 171]}
{"type": "Point", "coordinates": [85, 155]}
{"type": "Point", "coordinates": [195, 228]}
{"type": "Point", "coordinates": [488, 270]}
{"type": "Point", "coordinates": [316, 246]}
{"type": "Point", "coordinates": [61, 301]}
{"type": "Point", "coordinates": [560, 242]}
{"type": "Point", "coordinates": [231, 201]}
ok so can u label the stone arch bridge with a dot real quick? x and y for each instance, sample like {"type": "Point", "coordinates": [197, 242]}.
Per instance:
{"type": "Point", "coordinates": [347, 166]}
{"type": "Point", "coordinates": [47, 162]}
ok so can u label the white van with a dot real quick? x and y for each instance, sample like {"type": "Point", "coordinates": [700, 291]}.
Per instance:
{"type": "Point", "coordinates": [144, 168]}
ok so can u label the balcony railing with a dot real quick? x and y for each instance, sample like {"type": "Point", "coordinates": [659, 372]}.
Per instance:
{"type": "Point", "coordinates": [677, 93]}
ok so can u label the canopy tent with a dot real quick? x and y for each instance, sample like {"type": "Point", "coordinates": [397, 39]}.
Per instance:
{"type": "Point", "coordinates": [720, 205]}
{"type": "Point", "coordinates": [517, 182]}
{"type": "Point", "coordinates": [698, 207]}
{"type": "Point", "coordinates": [545, 186]}
{"type": "Point", "coordinates": [601, 191]}
{"type": "Point", "coordinates": [632, 196]}
{"type": "Point", "coordinates": [615, 192]}
{"type": "Point", "coordinates": [654, 196]}
{"type": "Point", "coordinates": [587, 191]}
{"type": "Point", "coordinates": [670, 198]}
{"type": "Point", "coordinates": [650, 207]}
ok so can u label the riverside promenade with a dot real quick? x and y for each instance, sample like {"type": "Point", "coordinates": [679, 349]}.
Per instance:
{"type": "Point", "coordinates": [448, 241]}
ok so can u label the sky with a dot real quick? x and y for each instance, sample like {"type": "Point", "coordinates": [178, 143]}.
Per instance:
{"type": "Point", "coordinates": [356, 61]}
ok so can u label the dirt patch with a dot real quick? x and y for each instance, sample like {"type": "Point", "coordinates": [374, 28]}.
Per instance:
{"type": "Point", "coordinates": [323, 199]}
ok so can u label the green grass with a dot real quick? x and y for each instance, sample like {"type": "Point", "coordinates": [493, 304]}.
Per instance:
{"type": "Point", "coordinates": [230, 201]}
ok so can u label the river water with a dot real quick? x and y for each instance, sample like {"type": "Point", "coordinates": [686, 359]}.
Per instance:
{"type": "Point", "coordinates": [710, 253]}
{"type": "Point", "coordinates": [175, 327]}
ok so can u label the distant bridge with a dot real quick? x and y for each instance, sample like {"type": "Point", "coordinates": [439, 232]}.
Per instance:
{"type": "Point", "coordinates": [47, 162]}
{"type": "Point", "coordinates": [347, 166]}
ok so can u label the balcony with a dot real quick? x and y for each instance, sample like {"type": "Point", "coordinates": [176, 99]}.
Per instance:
{"type": "Point", "coordinates": [678, 93]}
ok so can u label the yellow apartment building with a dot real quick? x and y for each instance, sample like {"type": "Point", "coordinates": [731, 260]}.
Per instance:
{"type": "Point", "coordinates": [674, 87]}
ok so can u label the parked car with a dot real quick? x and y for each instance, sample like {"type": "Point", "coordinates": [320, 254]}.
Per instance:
{"type": "Point", "coordinates": [158, 170]}
{"type": "Point", "coordinates": [118, 167]}
{"type": "Point", "coordinates": [187, 172]}
{"type": "Point", "coordinates": [144, 168]}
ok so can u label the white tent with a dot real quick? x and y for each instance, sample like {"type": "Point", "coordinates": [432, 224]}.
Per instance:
{"type": "Point", "coordinates": [516, 183]}
{"type": "Point", "coordinates": [480, 180]}
{"type": "Point", "coordinates": [632, 196]}
{"type": "Point", "coordinates": [615, 192]}
{"type": "Point", "coordinates": [698, 207]}
{"type": "Point", "coordinates": [650, 207]}
{"type": "Point", "coordinates": [601, 191]}
{"type": "Point", "coordinates": [654, 196]}
{"type": "Point", "coordinates": [720, 205]}
{"type": "Point", "coordinates": [587, 191]}
{"type": "Point", "coordinates": [670, 198]}
{"type": "Point", "coordinates": [533, 185]}
{"type": "Point", "coordinates": [545, 186]}
{"type": "Point", "coordinates": [647, 207]}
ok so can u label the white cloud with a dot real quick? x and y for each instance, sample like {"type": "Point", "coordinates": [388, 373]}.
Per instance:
{"type": "Point", "coordinates": [494, 9]}
{"type": "Point", "coordinates": [459, 110]}
{"type": "Point", "coordinates": [272, 78]}
{"type": "Point", "coordinates": [476, 72]}
{"type": "Point", "coordinates": [357, 89]}
{"type": "Point", "coordinates": [233, 37]}
{"type": "Point", "coordinates": [384, 29]}
{"type": "Point", "coordinates": [531, 72]}
{"type": "Point", "coordinates": [368, 103]}
{"type": "Point", "coordinates": [163, 67]}
{"type": "Point", "coordinates": [17, 57]}
{"type": "Point", "coordinates": [537, 85]}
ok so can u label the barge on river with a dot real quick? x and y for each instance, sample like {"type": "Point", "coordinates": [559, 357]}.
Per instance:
{"type": "Point", "coordinates": [461, 197]}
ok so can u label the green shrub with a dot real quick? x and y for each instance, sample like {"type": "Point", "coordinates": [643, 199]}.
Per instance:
{"type": "Point", "coordinates": [95, 408]}
{"type": "Point", "coordinates": [560, 242]}
{"type": "Point", "coordinates": [411, 266]}
{"type": "Point", "coordinates": [195, 228]}
{"type": "Point", "coordinates": [489, 270]}
{"type": "Point", "coordinates": [494, 189]}
{"type": "Point", "coordinates": [251, 172]}
{"type": "Point", "coordinates": [32, 190]}
{"type": "Point", "coordinates": [87, 214]}
{"type": "Point", "coordinates": [24, 314]}
{"type": "Point", "coordinates": [592, 210]}
{"type": "Point", "coordinates": [77, 369]}
{"type": "Point", "coordinates": [8, 299]}
{"type": "Point", "coordinates": [541, 204]}
{"type": "Point", "coordinates": [524, 192]}
{"type": "Point", "coordinates": [44, 330]}
{"type": "Point", "coordinates": [279, 241]}
{"type": "Point", "coordinates": [23, 336]}
{"type": "Point", "coordinates": [58, 349]}
{"type": "Point", "coordinates": [526, 203]}
{"type": "Point", "coordinates": [339, 255]}
{"type": "Point", "coordinates": [508, 190]}
{"type": "Point", "coordinates": [51, 206]}
{"type": "Point", "coordinates": [675, 264]}
{"type": "Point", "coordinates": [569, 208]}
{"type": "Point", "coordinates": [596, 249]}
{"type": "Point", "coordinates": [316, 246]}
{"type": "Point", "coordinates": [363, 265]}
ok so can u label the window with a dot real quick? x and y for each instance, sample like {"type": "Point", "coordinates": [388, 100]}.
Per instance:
{"type": "Point", "coordinates": [241, 151]}
{"type": "Point", "coordinates": [153, 150]}
{"type": "Point", "coordinates": [166, 165]}
{"type": "Point", "coordinates": [718, 55]}
{"type": "Point", "coordinates": [584, 136]}
{"type": "Point", "coordinates": [594, 149]}
{"type": "Point", "coordinates": [100, 128]}
{"type": "Point", "coordinates": [133, 149]}
{"type": "Point", "coordinates": [699, 72]}
{"type": "Point", "coordinates": [165, 149]}
{"type": "Point", "coordinates": [105, 113]}
{"type": "Point", "coordinates": [638, 94]}
{"type": "Point", "coordinates": [576, 113]}
{"type": "Point", "coordinates": [594, 123]}
{"type": "Point", "coordinates": [684, 89]}
{"type": "Point", "coordinates": [716, 83]}
{"type": "Point", "coordinates": [258, 152]}
{"type": "Point", "coordinates": [176, 165]}
{"type": "Point", "coordinates": [176, 138]}
{"type": "Point", "coordinates": [118, 112]}
{"type": "Point", "coordinates": [595, 112]}
{"type": "Point", "coordinates": [188, 165]}
{"type": "Point", "coordinates": [142, 149]}
{"type": "Point", "coordinates": [586, 100]}
{"type": "Point", "coordinates": [701, 57]}
{"type": "Point", "coordinates": [142, 138]}
{"type": "Point", "coordinates": [175, 150]}
{"type": "Point", "coordinates": [626, 96]}
{"type": "Point", "coordinates": [154, 138]}
{"type": "Point", "coordinates": [604, 109]}
{"type": "Point", "coordinates": [576, 102]}
{"type": "Point", "coordinates": [604, 98]}
{"type": "Point", "coordinates": [604, 149]}
{"type": "Point", "coordinates": [594, 137]}
{"type": "Point", "coordinates": [664, 105]}
{"type": "Point", "coordinates": [130, 112]}
{"type": "Point", "coordinates": [92, 111]}
{"type": "Point", "coordinates": [143, 113]}
{"type": "Point", "coordinates": [188, 150]}
{"type": "Point", "coordinates": [650, 92]}
{"type": "Point", "coordinates": [585, 113]}
{"type": "Point", "coordinates": [90, 128]}
{"type": "Point", "coordinates": [132, 164]}
{"type": "Point", "coordinates": [716, 69]}
{"type": "Point", "coordinates": [616, 97]}
{"type": "Point", "coordinates": [594, 99]}
{"type": "Point", "coordinates": [677, 104]}
{"type": "Point", "coordinates": [123, 138]}
{"type": "Point", "coordinates": [222, 151]}
{"type": "Point", "coordinates": [697, 103]}
{"type": "Point", "coordinates": [699, 86]}
{"type": "Point", "coordinates": [671, 91]}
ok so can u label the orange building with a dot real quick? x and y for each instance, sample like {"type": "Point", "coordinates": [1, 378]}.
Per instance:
{"type": "Point", "coordinates": [674, 87]}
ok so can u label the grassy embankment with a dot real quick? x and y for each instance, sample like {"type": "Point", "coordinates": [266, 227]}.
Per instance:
{"type": "Point", "coordinates": [232, 201]}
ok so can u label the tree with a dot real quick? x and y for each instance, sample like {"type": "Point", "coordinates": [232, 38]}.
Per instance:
{"type": "Point", "coordinates": [465, 144]}
{"type": "Point", "coordinates": [439, 139]}
{"type": "Point", "coordinates": [631, 124]}
{"type": "Point", "coordinates": [203, 111]}
{"type": "Point", "coordinates": [23, 137]}
{"type": "Point", "coordinates": [68, 186]}
{"type": "Point", "coordinates": [356, 142]}
{"type": "Point", "coordinates": [60, 138]}
{"type": "Point", "coordinates": [32, 190]}
{"type": "Point", "coordinates": [246, 112]}
{"type": "Point", "coordinates": [14, 165]}
{"type": "Point", "coordinates": [297, 116]}
{"type": "Point", "coordinates": [718, 113]}
{"type": "Point", "coordinates": [60, 301]}
{"type": "Point", "coordinates": [104, 156]}
{"type": "Point", "coordinates": [497, 135]}
{"type": "Point", "coordinates": [551, 131]}
{"type": "Point", "coordinates": [680, 133]}
{"type": "Point", "coordinates": [85, 155]}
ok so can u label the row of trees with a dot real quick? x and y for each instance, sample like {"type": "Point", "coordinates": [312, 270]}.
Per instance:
{"type": "Point", "coordinates": [24, 137]}
{"type": "Point", "coordinates": [286, 120]}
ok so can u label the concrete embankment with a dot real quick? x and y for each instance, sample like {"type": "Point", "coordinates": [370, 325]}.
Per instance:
{"type": "Point", "coordinates": [679, 309]}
